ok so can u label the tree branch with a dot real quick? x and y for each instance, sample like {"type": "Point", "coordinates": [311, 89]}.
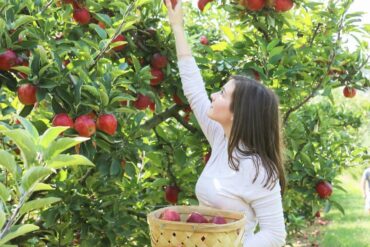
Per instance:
{"type": "Point", "coordinates": [184, 123]}
{"type": "Point", "coordinates": [323, 76]}
{"type": "Point", "coordinates": [157, 119]}
{"type": "Point", "coordinates": [261, 30]}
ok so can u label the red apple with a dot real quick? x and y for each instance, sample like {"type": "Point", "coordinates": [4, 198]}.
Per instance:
{"type": "Point", "coordinates": [81, 15]}
{"type": "Point", "coordinates": [283, 5]}
{"type": "Point", "coordinates": [324, 189]}
{"type": "Point", "coordinates": [170, 215]}
{"type": "Point", "coordinates": [119, 37]}
{"type": "Point", "coordinates": [101, 24]}
{"type": "Point", "coordinates": [92, 115]}
{"type": "Point", "coordinates": [85, 125]}
{"type": "Point", "coordinates": [349, 92]}
{"type": "Point", "coordinates": [202, 4]}
{"type": "Point", "coordinates": [187, 117]}
{"type": "Point", "coordinates": [107, 123]}
{"type": "Point", "coordinates": [207, 156]}
{"type": "Point", "coordinates": [254, 5]}
{"type": "Point", "coordinates": [152, 106]}
{"type": "Point", "coordinates": [188, 109]}
{"type": "Point", "coordinates": [62, 119]}
{"type": "Point", "coordinates": [123, 164]}
{"type": "Point", "coordinates": [142, 102]}
{"type": "Point", "coordinates": [173, 2]}
{"type": "Point", "coordinates": [218, 220]}
{"type": "Point", "coordinates": [66, 62]}
{"type": "Point", "coordinates": [159, 61]}
{"type": "Point", "coordinates": [196, 217]}
{"type": "Point", "coordinates": [158, 76]}
{"type": "Point", "coordinates": [8, 59]}
{"type": "Point", "coordinates": [177, 99]}
{"type": "Point", "coordinates": [256, 75]}
{"type": "Point", "coordinates": [171, 193]}
{"type": "Point", "coordinates": [123, 102]}
{"type": "Point", "coordinates": [27, 94]}
{"type": "Point", "coordinates": [203, 40]}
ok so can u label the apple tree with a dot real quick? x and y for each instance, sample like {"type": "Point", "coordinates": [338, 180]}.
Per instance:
{"type": "Point", "coordinates": [107, 70]}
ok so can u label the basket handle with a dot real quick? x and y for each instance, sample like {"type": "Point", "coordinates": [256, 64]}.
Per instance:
{"type": "Point", "coordinates": [238, 239]}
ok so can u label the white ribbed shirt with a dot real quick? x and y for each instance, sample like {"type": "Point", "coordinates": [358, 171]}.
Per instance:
{"type": "Point", "coordinates": [219, 186]}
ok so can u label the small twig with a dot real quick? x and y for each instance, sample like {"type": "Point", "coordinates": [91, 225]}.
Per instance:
{"type": "Point", "coordinates": [138, 214]}
{"type": "Point", "coordinates": [46, 6]}
{"type": "Point", "coordinates": [118, 31]}
{"type": "Point", "coordinates": [163, 142]}
{"type": "Point", "coordinates": [86, 175]}
{"type": "Point", "coordinates": [315, 33]}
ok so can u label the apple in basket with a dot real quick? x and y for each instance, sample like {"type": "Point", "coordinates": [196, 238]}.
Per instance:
{"type": "Point", "coordinates": [170, 215]}
{"type": "Point", "coordinates": [196, 217]}
{"type": "Point", "coordinates": [218, 220]}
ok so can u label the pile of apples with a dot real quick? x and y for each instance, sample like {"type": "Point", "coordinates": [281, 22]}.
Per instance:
{"type": "Point", "coordinates": [193, 217]}
{"type": "Point", "coordinates": [86, 125]}
{"type": "Point", "coordinates": [278, 5]}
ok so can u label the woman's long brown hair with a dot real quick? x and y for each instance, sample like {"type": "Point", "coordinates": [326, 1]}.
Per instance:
{"type": "Point", "coordinates": [257, 125]}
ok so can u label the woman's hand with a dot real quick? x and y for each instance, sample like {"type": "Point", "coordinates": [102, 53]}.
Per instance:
{"type": "Point", "coordinates": [175, 15]}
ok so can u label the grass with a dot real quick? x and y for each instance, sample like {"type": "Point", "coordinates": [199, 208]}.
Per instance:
{"type": "Point", "coordinates": [353, 228]}
{"type": "Point", "coordinates": [336, 229]}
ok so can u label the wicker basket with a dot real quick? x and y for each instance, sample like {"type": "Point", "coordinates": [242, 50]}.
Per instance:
{"type": "Point", "coordinates": [165, 233]}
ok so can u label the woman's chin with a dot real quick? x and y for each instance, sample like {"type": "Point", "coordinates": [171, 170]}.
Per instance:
{"type": "Point", "coordinates": [209, 113]}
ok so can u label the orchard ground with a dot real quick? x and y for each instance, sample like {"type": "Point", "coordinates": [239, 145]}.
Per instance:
{"type": "Point", "coordinates": [335, 229]}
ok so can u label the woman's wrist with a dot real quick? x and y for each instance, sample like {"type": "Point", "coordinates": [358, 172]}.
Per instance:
{"type": "Point", "coordinates": [177, 27]}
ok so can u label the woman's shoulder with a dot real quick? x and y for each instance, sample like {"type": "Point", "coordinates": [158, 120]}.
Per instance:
{"type": "Point", "coordinates": [253, 169]}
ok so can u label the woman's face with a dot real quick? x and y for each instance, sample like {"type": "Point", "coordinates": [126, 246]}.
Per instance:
{"type": "Point", "coordinates": [220, 104]}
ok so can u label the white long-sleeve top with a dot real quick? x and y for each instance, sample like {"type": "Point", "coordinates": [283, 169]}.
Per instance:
{"type": "Point", "coordinates": [219, 186]}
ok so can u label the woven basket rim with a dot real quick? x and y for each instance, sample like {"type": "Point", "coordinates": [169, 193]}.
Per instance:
{"type": "Point", "coordinates": [240, 219]}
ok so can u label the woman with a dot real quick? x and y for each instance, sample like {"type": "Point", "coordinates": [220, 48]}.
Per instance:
{"type": "Point", "coordinates": [241, 122]}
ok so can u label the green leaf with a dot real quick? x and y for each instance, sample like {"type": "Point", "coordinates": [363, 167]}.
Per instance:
{"type": "Point", "coordinates": [276, 51]}
{"type": "Point", "coordinates": [50, 135]}
{"type": "Point", "coordinates": [180, 157]}
{"type": "Point", "coordinates": [7, 160]}
{"type": "Point", "coordinates": [91, 90]}
{"type": "Point", "coordinates": [141, 2]}
{"type": "Point", "coordinates": [4, 193]}
{"type": "Point", "coordinates": [272, 44]}
{"type": "Point", "coordinates": [338, 206]}
{"type": "Point", "coordinates": [23, 19]}
{"type": "Point", "coordinates": [101, 32]}
{"type": "Point", "coordinates": [29, 127]}
{"type": "Point", "coordinates": [103, 96]}
{"type": "Point", "coordinates": [22, 69]}
{"type": "Point", "coordinates": [306, 159]}
{"type": "Point", "coordinates": [66, 160]}
{"type": "Point", "coordinates": [2, 218]}
{"type": "Point", "coordinates": [42, 186]}
{"type": "Point", "coordinates": [37, 204]}
{"type": "Point", "coordinates": [25, 142]}
{"type": "Point", "coordinates": [228, 32]}
{"type": "Point", "coordinates": [2, 127]}
{"type": "Point", "coordinates": [63, 144]}
{"type": "Point", "coordinates": [17, 231]}
{"type": "Point", "coordinates": [34, 175]}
